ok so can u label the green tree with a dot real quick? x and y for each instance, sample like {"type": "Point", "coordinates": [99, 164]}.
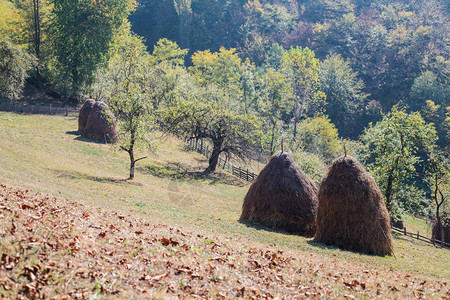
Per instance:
{"type": "Point", "coordinates": [273, 57]}
{"type": "Point", "coordinates": [274, 102]}
{"type": "Point", "coordinates": [208, 116]}
{"type": "Point", "coordinates": [222, 68]}
{"type": "Point", "coordinates": [343, 92]}
{"type": "Point", "coordinates": [37, 15]}
{"type": "Point", "coordinates": [302, 68]}
{"type": "Point", "coordinates": [220, 113]}
{"type": "Point", "coordinates": [312, 164]}
{"type": "Point", "coordinates": [168, 52]}
{"type": "Point", "coordinates": [15, 64]}
{"type": "Point", "coordinates": [427, 87]}
{"type": "Point", "coordinates": [126, 83]}
{"type": "Point", "coordinates": [12, 22]}
{"type": "Point", "coordinates": [430, 93]}
{"type": "Point", "coordinates": [319, 136]}
{"type": "Point", "coordinates": [393, 151]}
{"type": "Point", "coordinates": [82, 33]}
{"type": "Point", "coordinates": [439, 180]}
{"type": "Point", "coordinates": [263, 25]}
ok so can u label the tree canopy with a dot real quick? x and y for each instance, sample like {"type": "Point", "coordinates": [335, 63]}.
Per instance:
{"type": "Point", "coordinates": [394, 148]}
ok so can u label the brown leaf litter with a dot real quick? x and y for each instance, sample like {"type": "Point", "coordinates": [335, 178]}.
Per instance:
{"type": "Point", "coordinates": [61, 249]}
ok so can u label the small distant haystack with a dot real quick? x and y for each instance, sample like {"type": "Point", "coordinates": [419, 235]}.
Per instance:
{"type": "Point", "coordinates": [436, 232]}
{"type": "Point", "coordinates": [282, 197]}
{"type": "Point", "coordinates": [85, 111]}
{"type": "Point", "coordinates": [352, 214]}
{"type": "Point", "coordinates": [96, 121]}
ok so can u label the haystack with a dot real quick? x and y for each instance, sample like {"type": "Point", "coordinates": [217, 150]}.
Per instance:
{"type": "Point", "coordinates": [352, 214]}
{"type": "Point", "coordinates": [282, 197]}
{"type": "Point", "coordinates": [436, 232]}
{"type": "Point", "coordinates": [96, 121]}
{"type": "Point", "coordinates": [83, 116]}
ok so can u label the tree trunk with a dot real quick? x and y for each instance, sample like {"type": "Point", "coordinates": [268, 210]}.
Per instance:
{"type": "Point", "coordinates": [438, 207]}
{"type": "Point", "coordinates": [295, 119]}
{"type": "Point", "coordinates": [272, 140]}
{"type": "Point", "coordinates": [184, 12]}
{"type": "Point", "coordinates": [388, 191]}
{"type": "Point", "coordinates": [37, 39]}
{"type": "Point", "coordinates": [132, 164]}
{"type": "Point", "coordinates": [131, 153]}
{"type": "Point", "coordinates": [214, 159]}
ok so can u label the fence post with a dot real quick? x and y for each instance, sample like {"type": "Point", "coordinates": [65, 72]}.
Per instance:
{"type": "Point", "coordinates": [404, 230]}
{"type": "Point", "coordinates": [417, 235]}
{"type": "Point", "coordinates": [247, 175]}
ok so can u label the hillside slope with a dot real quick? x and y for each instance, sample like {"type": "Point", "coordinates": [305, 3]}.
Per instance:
{"type": "Point", "coordinates": [53, 247]}
{"type": "Point", "coordinates": [44, 154]}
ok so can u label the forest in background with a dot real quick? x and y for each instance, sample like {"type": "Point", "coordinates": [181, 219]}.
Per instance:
{"type": "Point", "coordinates": [317, 78]}
{"type": "Point", "coordinates": [399, 49]}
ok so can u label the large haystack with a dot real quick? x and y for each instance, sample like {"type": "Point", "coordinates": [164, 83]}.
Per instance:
{"type": "Point", "coordinates": [282, 197]}
{"type": "Point", "coordinates": [96, 121]}
{"type": "Point", "coordinates": [437, 231]}
{"type": "Point", "coordinates": [352, 214]}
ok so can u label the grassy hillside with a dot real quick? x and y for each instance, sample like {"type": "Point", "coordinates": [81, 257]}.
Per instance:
{"type": "Point", "coordinates": [44, 154]}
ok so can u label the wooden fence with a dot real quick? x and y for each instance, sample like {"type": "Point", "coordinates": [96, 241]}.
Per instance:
{"type": "Point", "coordinates": [244, 174]}
{"type": "Point", "coordinates": [422, 238]}
{"type": "Point", "coordinates": [38, 109]}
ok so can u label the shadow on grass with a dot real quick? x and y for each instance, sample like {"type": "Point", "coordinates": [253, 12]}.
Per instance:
{"type": "Point", "coordinates": [80, 175]}
{"type": "Point", "coordinates": [179, 171]}
{"type": "Point", "coordinates": [81, 138]}
{"type": "Point", "coordinates": [324, 246]}
{"type": "Point", "coordinates": [271, 229]}
{"type": "Point", "coordinates": [73, 132]}
{"type": "Point", "coordinates": [264, 228]}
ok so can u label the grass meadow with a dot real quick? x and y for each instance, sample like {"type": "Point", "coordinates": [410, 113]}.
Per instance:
{"type": "Point", "coordinates": [45, 154]}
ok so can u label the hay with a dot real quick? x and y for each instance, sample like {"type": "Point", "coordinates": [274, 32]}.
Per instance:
{"type": "Point", "coordinates": [436, 232]}
{"type": "Point", "coordinates": [83, 116]}
{"type": "Point", "coordinates": [282, 197]}
{"type": "Point", "coordinates": [97, 122]}
{"type": "Point", "coordinates": [352, 214]}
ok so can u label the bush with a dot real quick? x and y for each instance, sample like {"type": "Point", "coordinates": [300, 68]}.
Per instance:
{"type": "Point", "coordinates": [14, 66]}
{"type": "Point", "coordinates": [311, 164]}
{"type": "Point", "coordinates": [319, 136]}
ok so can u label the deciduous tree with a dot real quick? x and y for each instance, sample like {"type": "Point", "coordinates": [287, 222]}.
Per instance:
{"type": "Point", "coordinates": [275, 101]}
{"type": "Point", "coordinates": [82, 33]}
{"type": "Point", "coordinates": [302, 68]}
{"type": "Point", "coordinates": [15, 64]}
{"type": "Point", "coordinates": [127, 94]}
{"type": "Point", "coordinates": [394, 147]}
{"type": "Point", "coordinates": [343, 92]}
{"type": "Point", "coordinates": [439, 180]}
{"type": "Point", "coordinates": [210, 117]}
